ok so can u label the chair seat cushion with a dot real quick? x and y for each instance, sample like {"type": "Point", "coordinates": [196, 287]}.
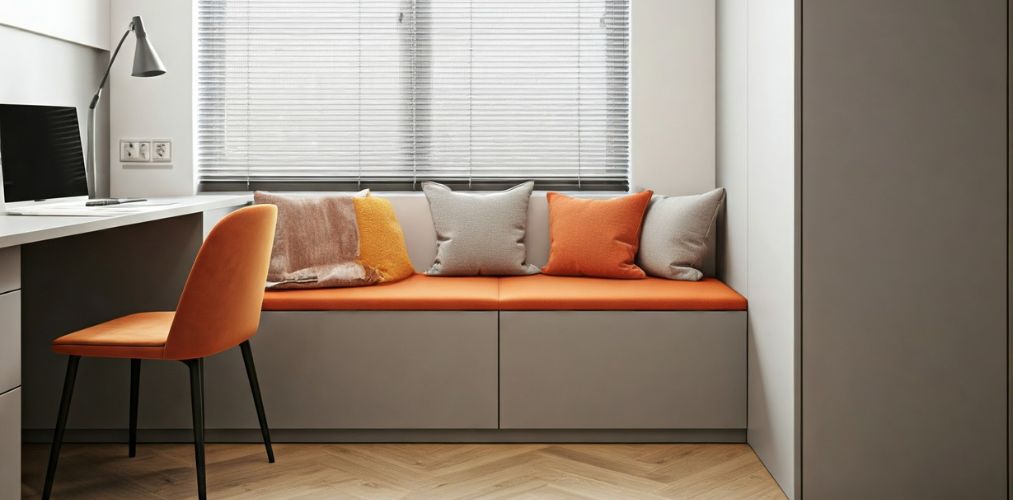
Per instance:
{"type": "Point", "coordinates": [140, 335]}
{"type": "Point", "coordinates": [417, 293]}
{"type": "Point", "coordinates": [552, 293]}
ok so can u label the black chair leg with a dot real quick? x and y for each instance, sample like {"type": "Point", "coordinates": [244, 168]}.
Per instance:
{"type": "Point", "coordinates": [203, 392]}
{"type": "Point", "coordinates": [197, 406]}
{"type": "Point", "coordinates": [251, 373]}
{"type": "Point", "coordinates": [135, 382]}
{"type": "Point", "coordinates": [61, 424]}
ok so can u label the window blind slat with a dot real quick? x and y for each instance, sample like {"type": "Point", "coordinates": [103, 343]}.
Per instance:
{"type": "Point", "coordinates": [386, 93]}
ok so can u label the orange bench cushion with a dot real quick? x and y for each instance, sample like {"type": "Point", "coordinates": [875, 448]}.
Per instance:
{"type": "Point", "coordinates": [551, 293]}
{"type": "Point", "coordinates": [518, 293]}
{"type": "Point", "coordinates": [417, 293]}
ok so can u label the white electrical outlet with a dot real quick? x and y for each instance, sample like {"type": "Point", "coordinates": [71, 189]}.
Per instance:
{"type": "Point", "coordinates": [135, 151]}
{"type": "Point", "coordinates": [161, 150]}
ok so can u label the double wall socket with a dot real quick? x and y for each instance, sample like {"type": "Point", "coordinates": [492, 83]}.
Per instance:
{"type": "Point", "coordinates": [134, 151]}
{"type": "Point", "coordinates": [147, 150]}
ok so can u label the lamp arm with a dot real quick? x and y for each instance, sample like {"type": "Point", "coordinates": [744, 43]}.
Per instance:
{"type": "Point", "coordinates": [91, 176]}
{"type": "Point", "coordinates": [105, 77]}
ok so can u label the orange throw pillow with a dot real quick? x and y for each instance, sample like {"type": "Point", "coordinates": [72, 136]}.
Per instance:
{"type": "Point", "coordinates": [595, 237]}
{"type": "Point", "coordinates": [381, 242]}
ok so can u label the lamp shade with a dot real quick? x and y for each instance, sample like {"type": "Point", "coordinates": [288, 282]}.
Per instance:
{"type": "Point", "coordinates": [146, 61]}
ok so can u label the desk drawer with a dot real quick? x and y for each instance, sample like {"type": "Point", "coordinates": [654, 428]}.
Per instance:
{"type": "Point", "coordinates": [10, 269]}
{"type": "Point", "coordinates": [10, 341]}
{"type": "Point", "coordinates": [10, 444]}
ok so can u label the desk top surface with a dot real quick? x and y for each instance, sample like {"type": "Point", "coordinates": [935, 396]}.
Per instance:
{"type": "Point", "coordinates": [22, 229]}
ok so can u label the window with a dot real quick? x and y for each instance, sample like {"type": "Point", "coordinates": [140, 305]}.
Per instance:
{"type": "Point", "coordinates": [323, 94]}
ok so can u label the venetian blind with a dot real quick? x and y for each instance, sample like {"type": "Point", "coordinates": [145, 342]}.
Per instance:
{"type": "Point", "coordinates": [321, 95]}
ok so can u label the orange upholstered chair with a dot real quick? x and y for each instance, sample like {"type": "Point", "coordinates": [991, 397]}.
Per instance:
{"type": "Point", "coordinates": [218, 310]}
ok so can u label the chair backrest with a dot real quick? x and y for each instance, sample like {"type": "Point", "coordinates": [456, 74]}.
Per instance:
{"type": "Point", "coordinates": [220, 304]}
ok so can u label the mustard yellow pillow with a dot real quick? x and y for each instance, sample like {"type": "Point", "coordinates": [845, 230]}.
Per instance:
{"type": "Point", "coordinates": [381, 242]}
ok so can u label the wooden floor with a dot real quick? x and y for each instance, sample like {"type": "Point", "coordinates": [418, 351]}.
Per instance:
{"type": "Point", "coordinates": [407, 471]}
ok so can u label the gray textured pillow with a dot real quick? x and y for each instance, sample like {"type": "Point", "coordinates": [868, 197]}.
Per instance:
{"type": "Point", "coordinates": [675, 235]}
{"type": "Point", "coordinates": [479, 233]}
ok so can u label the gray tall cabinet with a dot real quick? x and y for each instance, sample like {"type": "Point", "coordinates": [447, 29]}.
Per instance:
{"type": "Point", "coordinates": [903, 239]}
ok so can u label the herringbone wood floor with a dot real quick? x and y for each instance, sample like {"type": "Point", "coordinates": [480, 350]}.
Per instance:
{"type": "Point", "coordinates": [166, 471]}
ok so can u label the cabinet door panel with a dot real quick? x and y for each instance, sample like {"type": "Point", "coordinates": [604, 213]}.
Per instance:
{"type": "Point", "coordinates": [10, 444]}
{"type": "Point", "coordinates": [904, 249]}
{"type": "Point", "coordinates": [10, 341]}
{"type": "Point", "coordinates": [10, 269]}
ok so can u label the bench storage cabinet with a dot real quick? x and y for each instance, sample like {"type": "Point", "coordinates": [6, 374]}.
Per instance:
{"type": "Point", "coordinates": [379, 369]}
{"type": "Point", "coordinates": [622, 370]}
{"type": "Point", "coordinates": [516, 358]}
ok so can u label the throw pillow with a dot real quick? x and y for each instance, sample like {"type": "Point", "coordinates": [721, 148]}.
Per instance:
{"type": "Point", "coordinates": [381, 241]}
{"type": "Point", "coordinates": [595, 237]}
{"type": "Point", "coordinates": [479, 233]}
{"type": "Point", "coordinates": [676, 235]}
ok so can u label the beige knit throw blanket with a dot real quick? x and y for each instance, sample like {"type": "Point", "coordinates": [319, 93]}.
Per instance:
{"type": "Point", "coordinates": [316, 242]}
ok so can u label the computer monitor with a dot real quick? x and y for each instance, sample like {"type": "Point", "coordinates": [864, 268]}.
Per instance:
{"type": "Point", "coordinates": [40, 153]}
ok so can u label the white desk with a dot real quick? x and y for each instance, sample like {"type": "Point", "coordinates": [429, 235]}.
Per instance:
{"type": "Point", "coordinates": [58, 274]}
{"type": "Point", "coordinates": [21, 229]}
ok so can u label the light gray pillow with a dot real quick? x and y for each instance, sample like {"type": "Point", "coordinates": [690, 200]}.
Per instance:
{"type": "Point", "coordinates": [674, 240]}
{"type": "Point", "coordinates": [479, 233]}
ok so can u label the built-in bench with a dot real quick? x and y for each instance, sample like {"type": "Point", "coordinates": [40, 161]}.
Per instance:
{"type": "Point", "coordinates": [533, 358]}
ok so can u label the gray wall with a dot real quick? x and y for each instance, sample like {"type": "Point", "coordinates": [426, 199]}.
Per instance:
{"type": "Point", "coordinates": [38, 69]}
{"type": "Point", "coordinates": [756, 164]}
{"type": "Point", "coordinates": [903, 249]}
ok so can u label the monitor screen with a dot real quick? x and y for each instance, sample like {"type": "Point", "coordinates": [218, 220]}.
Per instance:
{"type": "Point", "coordinates": [40, 153]}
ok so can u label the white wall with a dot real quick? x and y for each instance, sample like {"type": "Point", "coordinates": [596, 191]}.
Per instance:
{"type": "Point", "coordinates": [756, 164]}
{"type": "Point", "coordinates": [154, 108]}
{"type": "Point", "coordinates": [732, 141]}
{"type": "Point", "coordinates": [673, 82]}
{"type": "Point", "coordinates": [672, 97]}
{"type": "Point", "coordinates": [48, 70]}
{"type": "Point", "coordinates": [85, 22]}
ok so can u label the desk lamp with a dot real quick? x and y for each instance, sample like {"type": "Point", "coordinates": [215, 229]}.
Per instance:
{"type": "Point", "coordinates": [146, 63]}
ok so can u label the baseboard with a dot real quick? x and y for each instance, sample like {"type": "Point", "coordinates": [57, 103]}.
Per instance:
{"type": "Point", "coordinates": [401, 436]}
